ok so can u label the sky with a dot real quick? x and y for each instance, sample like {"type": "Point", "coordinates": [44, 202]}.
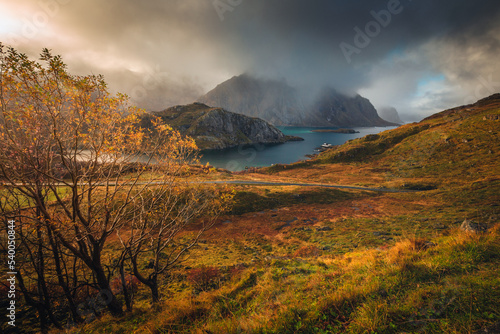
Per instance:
{"type": "Point", "coordinates": [419, 56]}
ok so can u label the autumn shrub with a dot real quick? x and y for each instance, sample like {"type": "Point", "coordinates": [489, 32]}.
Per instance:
{"type": "Point", "coordinates": [307, 251]}
{"type": "Point", "coordinates": [236, 271]}
{"type": "Point", "coordinates": [131, 282]}
{"type": "Point", "coordinates": [204, 278]}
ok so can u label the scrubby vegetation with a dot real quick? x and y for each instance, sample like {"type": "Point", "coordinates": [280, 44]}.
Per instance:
{"type": "Point", "coordinates": [449, 285]}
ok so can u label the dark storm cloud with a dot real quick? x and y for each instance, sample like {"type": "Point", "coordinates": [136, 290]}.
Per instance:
{"type": "Point", "coordinates": [165, 52]}
{"type": "Point", "coordinates": [306, 35]}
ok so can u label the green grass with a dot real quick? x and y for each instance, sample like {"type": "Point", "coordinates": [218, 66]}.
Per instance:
{"type": "Point", "coordinates": [13, 199]}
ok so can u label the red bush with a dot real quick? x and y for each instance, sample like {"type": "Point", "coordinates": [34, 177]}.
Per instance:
{"type": "Point", "coordinates": [307, 251]}
{"type": "Point", "coordinates": [204, 277]}
{"type": "Point", "coordinates": [131, 282]}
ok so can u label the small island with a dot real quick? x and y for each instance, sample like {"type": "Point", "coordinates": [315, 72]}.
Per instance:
{"type": "Point", "coordinates": [215, 128]}
{"type": "Point", "coordinates": [347, 131]}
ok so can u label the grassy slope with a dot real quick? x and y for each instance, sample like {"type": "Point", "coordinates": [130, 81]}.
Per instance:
{"type": "Point", "coordinates": [390, 263]}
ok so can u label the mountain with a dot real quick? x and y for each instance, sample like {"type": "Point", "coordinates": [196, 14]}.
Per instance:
{"type": "Point", "coordinates": [390, 114]}
{"type": "Point", "coordinates": [336, 109]}
{"type": "Point", "coordinates": [281, 104]}
{"type": "Point", "coordinates": [216, 128]}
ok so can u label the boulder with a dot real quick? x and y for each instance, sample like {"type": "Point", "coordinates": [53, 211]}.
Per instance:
{"type": "Point", "coordinates": [470, 226]}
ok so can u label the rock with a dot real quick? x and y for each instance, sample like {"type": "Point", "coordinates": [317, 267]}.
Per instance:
{"type": "Point", "coordinates": [430, 244]}
{"type": "Point", "coordinates": [287, 224]}
{"type": "Point", "coordinates": [279, 228]}
{"type": "Point", "coordinates": [491, 117]}
{"type": "Point", "coordinates": [305, 229]}
{"type": "Point", "coordinates": [470, 226]}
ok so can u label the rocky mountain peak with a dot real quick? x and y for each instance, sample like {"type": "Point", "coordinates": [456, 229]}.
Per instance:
{"type": "Point", "coordinates": [281, 104]}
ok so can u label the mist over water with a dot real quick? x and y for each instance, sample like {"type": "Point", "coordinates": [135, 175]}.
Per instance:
{"type": "Point", "coordinates": [236, 159]}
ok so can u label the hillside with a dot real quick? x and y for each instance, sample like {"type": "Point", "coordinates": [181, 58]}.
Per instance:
{"type": "Point", "coordinates": [290, 259]}
{"type": "Point", "coordinates": [455, 146]}
{"type": "Point", "coordinates": [283, 105]}
{"type": "Point", "coordinates": [216, 128]}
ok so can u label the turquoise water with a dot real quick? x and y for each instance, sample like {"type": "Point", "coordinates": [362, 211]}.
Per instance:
{"type": "Point", "coordinates": [237, 159]}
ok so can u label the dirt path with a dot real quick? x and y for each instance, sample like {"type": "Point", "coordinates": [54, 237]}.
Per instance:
{"type": "Point", "coordinates": [264, 183]}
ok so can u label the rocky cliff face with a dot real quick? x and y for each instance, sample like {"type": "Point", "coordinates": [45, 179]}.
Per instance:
{"type": "Point", "coordinates": [343, 111]}
{"type": "Point", "coordinates": [281, 104]}
{"type": "Point", "coordinates": [216, 128]}
{"type": "Point", "coordinates": [390, 114]}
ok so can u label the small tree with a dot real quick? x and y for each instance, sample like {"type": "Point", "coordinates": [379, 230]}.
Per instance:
{"type": "Point", "coordinates": [166, 213]}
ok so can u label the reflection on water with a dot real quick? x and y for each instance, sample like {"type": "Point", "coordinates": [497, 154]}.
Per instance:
{"type": "Point", "coordinates": [237, 159]}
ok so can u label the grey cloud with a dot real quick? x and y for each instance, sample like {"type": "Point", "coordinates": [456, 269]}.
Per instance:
{"type": "Point", "coordinates": [298, 40]}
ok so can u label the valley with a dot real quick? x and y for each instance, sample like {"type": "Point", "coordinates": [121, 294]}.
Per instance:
{"type": "Point", "coordinates": [290, 259]}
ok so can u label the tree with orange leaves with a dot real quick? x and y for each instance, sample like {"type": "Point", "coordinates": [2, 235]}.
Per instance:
{"type": "Point", "coordinates": [76, 168]}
